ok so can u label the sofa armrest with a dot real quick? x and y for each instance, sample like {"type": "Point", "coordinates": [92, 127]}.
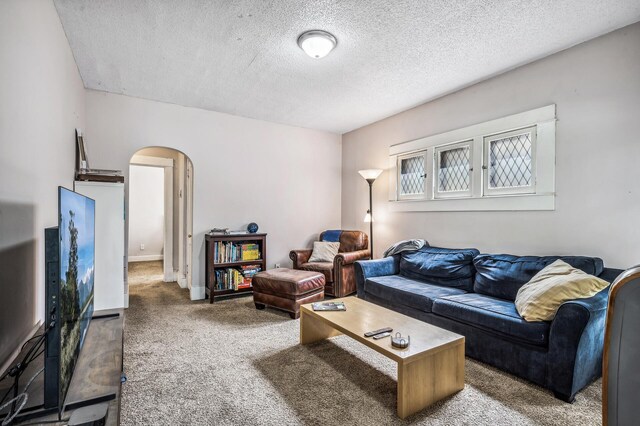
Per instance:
{"type": "Point", "coordinates": [299, 257]}
{"type": "Point", "coordinates": [350, 257]}
{"type": "Point", "coordinates": [576, 342]}
{"type": "Point", "coordinates": [375, 268]}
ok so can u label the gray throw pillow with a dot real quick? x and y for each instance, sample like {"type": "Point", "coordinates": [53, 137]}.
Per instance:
{"type": "Point", "coordinates": [324, 251]}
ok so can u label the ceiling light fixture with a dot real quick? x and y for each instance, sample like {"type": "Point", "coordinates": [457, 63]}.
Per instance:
{"type": "Point", "coordinates": [317, 43]}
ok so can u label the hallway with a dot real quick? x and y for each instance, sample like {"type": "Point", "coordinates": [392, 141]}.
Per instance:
{"type": "Point", "coordinates": [145, 272]}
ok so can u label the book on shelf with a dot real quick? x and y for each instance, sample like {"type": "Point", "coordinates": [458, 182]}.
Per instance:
{"type": "Point", "coordinates": [235, 278]}
{"type": "Point", "coordinates": [249, 251]}
{"type": "Point", "coordinates": [228, 252]}
{"type": "Point", "coordinates": [329, 306]}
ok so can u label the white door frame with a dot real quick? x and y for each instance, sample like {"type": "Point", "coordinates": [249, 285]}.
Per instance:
{"type": "Point", "coordinates": [189, 222]}
{"type": "Point", "coordinates": [182, 238]}
{"type": "Point", "coordinates": [167, 164]}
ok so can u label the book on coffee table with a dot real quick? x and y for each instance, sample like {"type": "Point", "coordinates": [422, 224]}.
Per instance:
{"type": "Point", "coordinates": [329, 306]}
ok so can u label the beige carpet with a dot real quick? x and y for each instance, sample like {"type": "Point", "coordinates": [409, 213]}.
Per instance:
{"type": "Point", "coordinates": [145, 272]}
{"type": "Point", "coordinates": [193, 363]}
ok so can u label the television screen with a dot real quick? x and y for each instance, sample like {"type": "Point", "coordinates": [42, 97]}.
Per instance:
{"type": "Point", "coordinates": [77, 259]}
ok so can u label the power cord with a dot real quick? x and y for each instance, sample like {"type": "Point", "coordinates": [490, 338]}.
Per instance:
{"type": "Point", "coordinates": [40, 422]}
{"type": "Point", "coordinates": [19, 400]}
{"type": "Point", "coordinates": [24, 397]}
{"type": "Point", "coordinates": [34, 337]}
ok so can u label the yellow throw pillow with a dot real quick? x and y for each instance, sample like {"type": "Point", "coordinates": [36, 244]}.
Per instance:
{"type": "Point", "coordinates": [541, 297]}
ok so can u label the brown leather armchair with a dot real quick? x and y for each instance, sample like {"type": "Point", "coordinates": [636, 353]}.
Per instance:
{"type": "Point", "coordinates": [339, 276]}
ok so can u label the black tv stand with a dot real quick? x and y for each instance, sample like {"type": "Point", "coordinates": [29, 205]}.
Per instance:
{"type": "Point", "coordinates": [102, 316]}
{"type": "Point", "coordinates": [96, 378]}
{"type": "Point", "coordinates": [90, 401]}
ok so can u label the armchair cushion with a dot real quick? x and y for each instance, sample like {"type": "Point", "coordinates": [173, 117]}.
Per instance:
{"type": "Point", "coordinates": [325, 268]}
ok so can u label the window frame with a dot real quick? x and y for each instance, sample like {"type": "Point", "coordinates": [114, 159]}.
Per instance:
{"type": "Point", "coordinates": [543, 167]}
{"type": "Point", "coordinates": [425, 175]}
{"type": "Point", "coordinates": [528, 189]}
{"type": "Point", "coordinates": [437, 151]}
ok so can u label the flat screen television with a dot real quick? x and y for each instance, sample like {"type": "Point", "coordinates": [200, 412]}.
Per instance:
{"type": "Point", "coordinates": [70, 263]}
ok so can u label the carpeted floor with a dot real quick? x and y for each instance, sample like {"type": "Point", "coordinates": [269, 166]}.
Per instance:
{"type": "Point", "coordinates": [193, 363]}
{"type": "Point", "coordinates": [145, 272]}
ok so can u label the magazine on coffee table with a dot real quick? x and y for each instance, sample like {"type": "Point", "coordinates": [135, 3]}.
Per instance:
{"type": "Point", "coordinates": [329, 306]}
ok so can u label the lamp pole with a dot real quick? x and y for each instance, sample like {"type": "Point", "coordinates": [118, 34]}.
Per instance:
{"type": "Point", "coordinates": [370, 175]}
{"type": "Point", "coordinates": [370, 181]}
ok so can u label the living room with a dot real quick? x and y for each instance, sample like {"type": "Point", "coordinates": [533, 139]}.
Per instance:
{"type": "Point", "coordinates": [277, 137]}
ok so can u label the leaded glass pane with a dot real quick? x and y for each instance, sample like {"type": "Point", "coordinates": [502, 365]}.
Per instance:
{"type": "Point", "coordinates": [412, 175]}
{"type": "Point", "coordinates": [454, 172]}
{"type": "Point", "coordinates": [510, 162]}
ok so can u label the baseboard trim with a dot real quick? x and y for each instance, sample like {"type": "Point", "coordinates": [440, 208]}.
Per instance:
{"type": "Point", "coordinates": [182, 282]}
{"type": "Point", "coordinates": [197, 293]}
{"type": "Point", "coordinates": [146, 258]}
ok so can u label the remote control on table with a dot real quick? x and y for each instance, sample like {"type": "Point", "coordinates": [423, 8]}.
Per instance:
{"type": "Point", "coordinates": [374, 332]}
{"type": "Point", "coordinates": [381, 335]}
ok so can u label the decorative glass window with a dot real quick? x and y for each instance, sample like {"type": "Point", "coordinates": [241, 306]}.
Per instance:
{"type": "Point", "coordinates": [509, 163]}
{"type": "Point", "coordinates": [412, 176]}
{"type": "Point", "coordinates": [453, 167]}
{"type": "Point", "coordinates": [505, 164]}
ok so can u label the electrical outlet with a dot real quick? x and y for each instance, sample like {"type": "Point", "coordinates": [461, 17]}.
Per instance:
{"type": "Point", "coordinates": [277, 265]}
{"type": "Point", "coordinates": [141, 246]}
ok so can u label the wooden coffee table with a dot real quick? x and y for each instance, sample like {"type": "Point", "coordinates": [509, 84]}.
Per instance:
{"type": "Point", "coordinates": [431, 368]}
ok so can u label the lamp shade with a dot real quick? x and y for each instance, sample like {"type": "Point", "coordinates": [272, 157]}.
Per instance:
{"type": "Point", "coordinates": [367, 218]}
{"type": "Point", "coordinates": [370, 173]}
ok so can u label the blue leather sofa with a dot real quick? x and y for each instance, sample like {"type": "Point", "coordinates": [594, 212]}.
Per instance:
{"type": "Point", "coordinates": [473, 294]}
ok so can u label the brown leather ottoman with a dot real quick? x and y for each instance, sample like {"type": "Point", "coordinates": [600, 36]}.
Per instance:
{"type": "Point", "coordinates": [287, 289]}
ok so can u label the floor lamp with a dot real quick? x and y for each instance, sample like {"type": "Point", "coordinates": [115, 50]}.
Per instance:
{"type": "Point", "coordinates": [370, 175]}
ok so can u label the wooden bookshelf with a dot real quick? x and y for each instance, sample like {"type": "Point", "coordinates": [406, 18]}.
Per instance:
{"type": "Point", "coordinates": [215, 263]}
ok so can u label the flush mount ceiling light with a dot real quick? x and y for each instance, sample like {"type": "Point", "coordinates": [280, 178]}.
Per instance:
{"type": "Point", "coordinates": [317, 43]}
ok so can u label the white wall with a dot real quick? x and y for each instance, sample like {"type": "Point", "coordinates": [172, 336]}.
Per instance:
{"type": "Point", "coordinates": [146, 212]}
{"type": "Point", "coordinates": [41, 102]}
{"type": "Point", "coordinates": [596, 86]}
{"type": "Point", "coordinates": [286, 179]}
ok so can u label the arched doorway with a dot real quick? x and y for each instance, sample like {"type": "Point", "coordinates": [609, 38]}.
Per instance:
{"type": "Point", "coordinates": [160, 213]}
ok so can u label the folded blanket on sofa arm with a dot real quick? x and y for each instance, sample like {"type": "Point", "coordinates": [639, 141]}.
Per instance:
{"type": "Point", "coordinates": [405, 245]}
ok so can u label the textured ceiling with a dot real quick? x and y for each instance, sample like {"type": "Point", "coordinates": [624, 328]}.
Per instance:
{"type": "Point", "coordinates": [241, 57]}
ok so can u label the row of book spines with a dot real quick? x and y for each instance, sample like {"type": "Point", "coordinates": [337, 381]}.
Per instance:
{"type": "Point", "coordinates": [234, 279]}
{"type": "Point", "coordinates": [232, 252]}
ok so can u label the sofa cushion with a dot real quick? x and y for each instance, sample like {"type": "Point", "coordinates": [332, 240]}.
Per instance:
{"type": "Point", "coordinates": [399, 290]}
{"type": "Point", "coordinates": [323, 267]}
{"type": "Point", "coordinates": [493, 314]}
{"type": "Point", "coordinates": [440, 266]}
{"type": "Point", "coordinates": [502, 275]}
